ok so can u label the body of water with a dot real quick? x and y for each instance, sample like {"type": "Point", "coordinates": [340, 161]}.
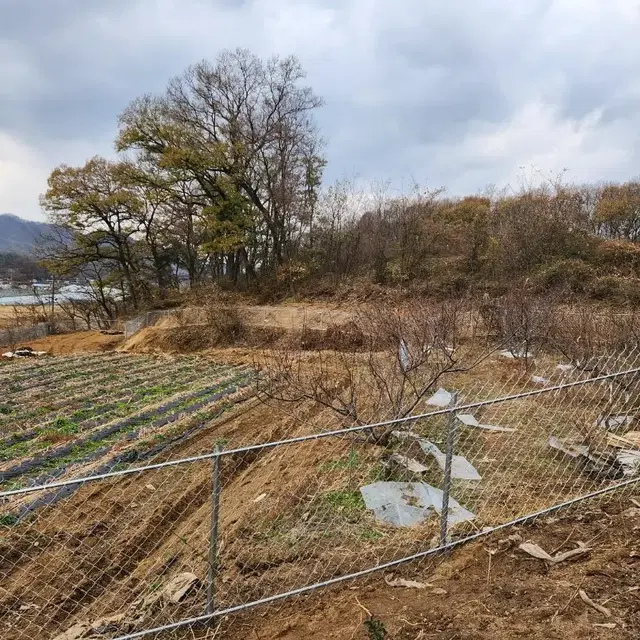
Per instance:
{"type": "Point", "coordinates": [46, 299]}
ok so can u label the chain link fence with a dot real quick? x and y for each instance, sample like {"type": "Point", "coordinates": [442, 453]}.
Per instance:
{"type": "Point", "coordinates": [16, 335]}
{"type": "Point", "coordinates": [142, 552]}
{"type": "Point", "coordinates": [146, 319]}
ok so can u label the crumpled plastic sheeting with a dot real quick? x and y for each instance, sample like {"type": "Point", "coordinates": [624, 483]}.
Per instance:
{"type": "Point", "coordinates": [441, 398]}
{"type": "Point", "coordinates": [515, 354]}
{"type": "Point", "coordinates": [470, 421]}
{"type": "Point", "coordinates": [405, 360]}
{"type": "Point", "coordinates": [611, 423]}
{"type": "Point", "coordinates": [461, 468]}
{"type": "Point", "coordinates": [630, 461]}
{"type": "Point", "coordinates": [406, 504]}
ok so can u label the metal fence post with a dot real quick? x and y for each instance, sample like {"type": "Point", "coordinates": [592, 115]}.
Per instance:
{"type": "Point", "coordinates": [213, 536]}
{"type": "Point", "coordinates": [446, 487]}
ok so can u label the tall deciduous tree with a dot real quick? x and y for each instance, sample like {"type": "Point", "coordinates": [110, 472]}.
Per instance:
{"type": "Point", "coordinates": [243, 130]}
{"type": "Point", "coordinates": [100, 218]}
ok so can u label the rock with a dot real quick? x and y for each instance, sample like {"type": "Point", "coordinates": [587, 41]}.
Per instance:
{"type": "Point", "coordinates": [77, 631]}
{"type": "Point", "coordinates": [111, 623]}
{"type": "Point", "coordinates": [178, 587]}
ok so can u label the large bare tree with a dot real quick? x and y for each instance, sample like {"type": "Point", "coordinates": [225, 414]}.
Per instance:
{"type": "Point", "coordinates": [242, 129]}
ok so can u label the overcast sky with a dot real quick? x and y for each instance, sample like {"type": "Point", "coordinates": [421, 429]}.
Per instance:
{"type": "Point", "coordinates": [453, 93]}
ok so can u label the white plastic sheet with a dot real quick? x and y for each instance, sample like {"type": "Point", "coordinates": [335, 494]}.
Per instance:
{"type": "Point", "coordinates": [611, 423]}
{"type": "Point", "coordinates": [405, 361]}
{"type": "Point", "coordinates": [441, 398]}
{"type": "Point", "coordinates": [406, 504]}
{"type": "Point", "coordinates": [468, 420]}
{"type": "Point", "coordinates": [461, 468]}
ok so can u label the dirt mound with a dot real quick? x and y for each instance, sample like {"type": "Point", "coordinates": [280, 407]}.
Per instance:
{"type": "Point", "coordinates": [194, 339]}
{"type": "Point", "coordinates": [286, 316]}
{"type": "Point", "coordinates": [200, 338]}
{"type": "Point", "coordinates": [197, 329]}
{"type": "Point", "coordinates": [77, 342]}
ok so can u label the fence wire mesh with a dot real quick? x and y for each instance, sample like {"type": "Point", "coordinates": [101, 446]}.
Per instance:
{"type": "Point", "coordinates": [132, 552]}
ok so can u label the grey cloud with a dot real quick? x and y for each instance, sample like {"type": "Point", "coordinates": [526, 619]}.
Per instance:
{"type": "Point", "coordinates": [432, 90]}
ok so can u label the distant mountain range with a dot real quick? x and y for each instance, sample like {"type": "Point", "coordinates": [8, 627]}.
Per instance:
{"type": "Point", "coordinates": [18, 235]}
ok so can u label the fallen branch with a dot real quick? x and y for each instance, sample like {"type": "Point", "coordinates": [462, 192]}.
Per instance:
{"type": "Point", "coordinates": [594, 605]}
{"type": "Point", "coordinates": [538, 552]}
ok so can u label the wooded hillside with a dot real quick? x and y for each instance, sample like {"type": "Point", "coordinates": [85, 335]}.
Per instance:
{"type": "Point", "coordinates": [220, 181]}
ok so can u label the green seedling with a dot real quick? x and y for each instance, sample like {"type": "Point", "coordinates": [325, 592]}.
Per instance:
{"type": "Point", "coordinates": [351, 462]}
{"type": "Point", "coordinates": [347, 502]}
{"type": "Point", "coordinates": [375, 629]}
{"type": "Point", "coordinates": [8, 520]}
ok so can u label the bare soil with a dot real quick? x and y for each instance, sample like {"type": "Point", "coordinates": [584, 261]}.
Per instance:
{"type": "Point", "coordinates": [7, 313]}
{"type": "Point", "coordinates": [77, 342]}
{"type": "Point", "coordinates": [494, 591]}
{"type": "Point", "coordinates": [286, 316]}
{"type": "Point", "coordinates": [104, 543]}
{"type": "Point", "coordinates": [109, 539]}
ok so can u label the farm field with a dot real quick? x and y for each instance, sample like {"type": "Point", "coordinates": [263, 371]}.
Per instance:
{"type": "Point", "coordinates": [70, 415]}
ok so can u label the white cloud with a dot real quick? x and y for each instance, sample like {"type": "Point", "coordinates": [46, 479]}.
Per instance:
{"type": "Point", "coordinates": [537, 140]}
{"type": "Point", "coordinates": [21, 168]}
{"type": "Point", "coordinates": [24, 170]}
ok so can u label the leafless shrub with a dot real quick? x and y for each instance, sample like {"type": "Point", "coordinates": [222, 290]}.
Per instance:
{"type": "Point", "coordinates": [81, 314]}
{"type": "Point", "coordinates": [523, 323]}
{"type": "Point", "coordinates": [226, 323]}
{"type": "Point", "coordinates": [405, 355]}
{"type": "Point", "coordinates": [339, 337]}
{"type": "Point", "coordinates": [583, 333]}
{"type": "Point", "coordinates": [16, 326]}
